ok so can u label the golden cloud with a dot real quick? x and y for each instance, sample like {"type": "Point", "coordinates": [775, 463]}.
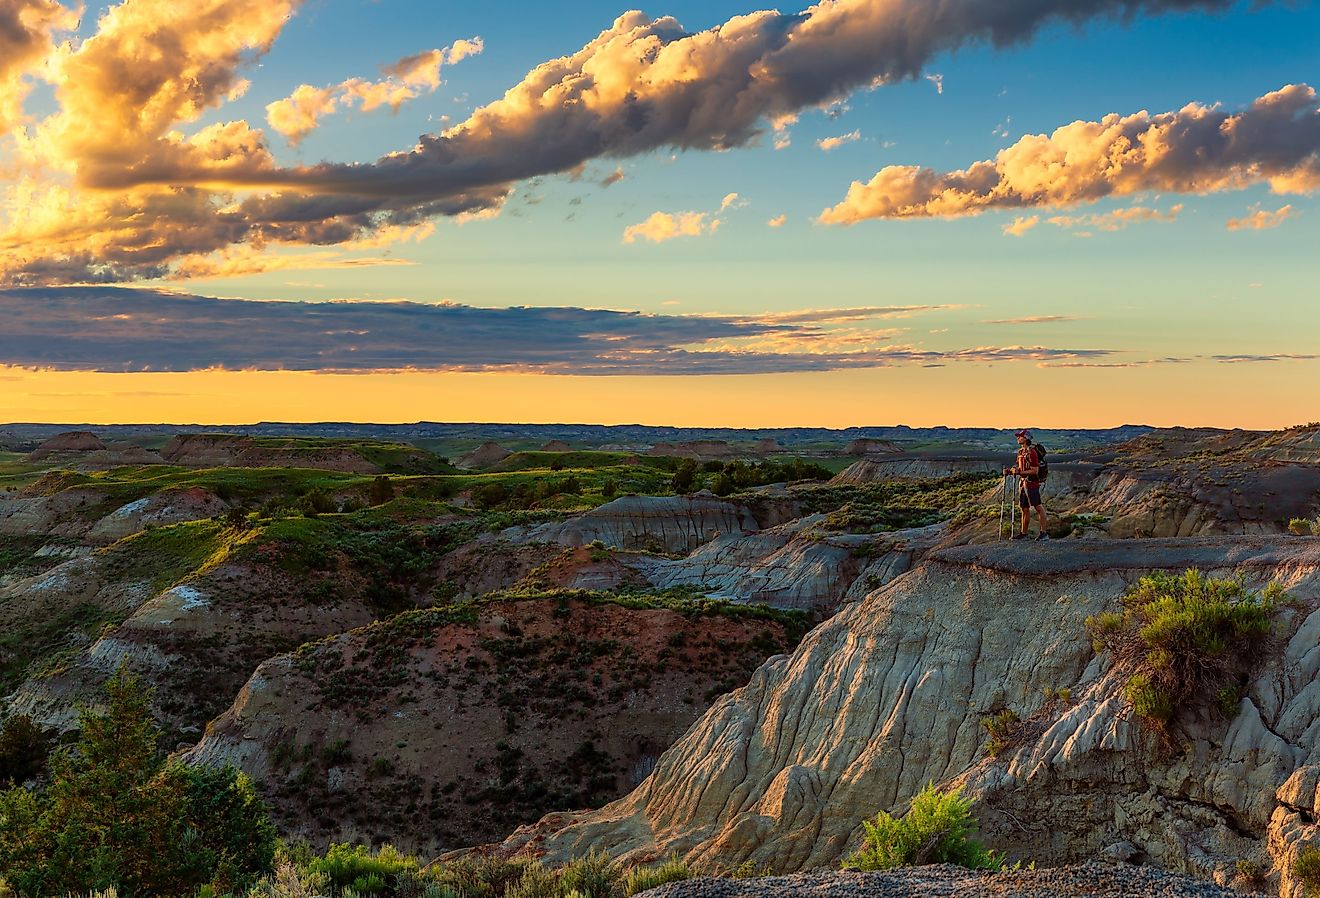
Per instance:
{"type": "Point", "coordinates": [119, 188]}
{"type": "Point", "coordinates": [1260, 219]}
{"type": "Point", "coordinates": [1197, 149]}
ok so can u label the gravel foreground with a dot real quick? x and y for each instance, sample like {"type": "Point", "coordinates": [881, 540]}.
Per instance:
{"type": "Point", "coordinates": [947, 881]}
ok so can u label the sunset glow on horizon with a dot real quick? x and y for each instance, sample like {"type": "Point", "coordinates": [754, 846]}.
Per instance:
{"type": "Point", "coordinates": [856, 213]}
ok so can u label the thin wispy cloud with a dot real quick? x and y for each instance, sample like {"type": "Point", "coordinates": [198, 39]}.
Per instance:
{"type": "Point", "coordinates": [1197, 149]}
{"type": "Point", "coordinates": [1271, 357]}
{"type": "Point", "coordinates": [131, 330]}
{"type": "Point", "coordinates": [118, 184]}
{"type": "Point", "coordinates": [833, 143]}
{"type": "Point", "coordinates": [1034, 319]}
{"type": "Point", "coordinates": [1260, 219]}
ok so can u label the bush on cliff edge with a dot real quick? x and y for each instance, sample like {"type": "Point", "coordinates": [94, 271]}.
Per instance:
{"type": "Point", "coordinates": [1184, 640]}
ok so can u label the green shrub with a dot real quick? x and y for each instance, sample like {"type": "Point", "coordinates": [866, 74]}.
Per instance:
{"type": "Point", "coordinates": [1003, 729]}
{"type": "Point", "coordinates": [1300, 527]}
{"type": "Point", "coordinates": [356, 867]}
{"type": "Point", "coordinates": [535, 882]}
{"type": "Point", "coordinates": [116, 815]}
{"type": "Point", "coordinates": [1185, 639]}
{"type": "Point", "coordinates": [639, 879]}
{"type": "Point", "coordinates": [380, 491]}
{"type": "Point", "coordinates": [1306, 869]}
{"type": "Point", "coordinates": [936, 830]}
{"type": "Point", "coordinates": [593, 876]}
{"type": "Point", "coordinates": [24, 748]}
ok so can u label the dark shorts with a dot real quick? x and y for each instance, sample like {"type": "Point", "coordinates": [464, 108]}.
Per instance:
{"type": "Point", "coordinates": [1029, 495]}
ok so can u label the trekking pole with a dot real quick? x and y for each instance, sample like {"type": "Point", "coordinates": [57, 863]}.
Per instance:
{"type": "Point", "coordinates": [1013, 508]}
{"type": "Point", "coordinates": [1003, 500]}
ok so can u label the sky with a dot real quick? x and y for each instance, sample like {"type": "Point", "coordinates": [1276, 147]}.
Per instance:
{"type": "Point", "coordinates": [859, 212]}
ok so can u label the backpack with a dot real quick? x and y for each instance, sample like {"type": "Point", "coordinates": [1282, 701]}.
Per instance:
{"type": "Point", "coordinates": [1043, 466]}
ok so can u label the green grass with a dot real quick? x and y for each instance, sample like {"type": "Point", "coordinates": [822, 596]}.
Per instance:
{"type": "Point", "coordinates": [581, 460]}
{"type": "Point", "coordinates": [164, 556]}
{"type": "Point", "coordinates": [936, 830]}
{"type": "Point", "coordinates": [1185, 640]}
{"type": "Point", "coordinates": [894, 504]}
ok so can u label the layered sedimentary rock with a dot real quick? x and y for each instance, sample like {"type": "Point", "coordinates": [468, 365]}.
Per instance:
{"type": "Point", "coordinates": [673, 524]}
{"type": "Point", "coordinates": [889, 695]}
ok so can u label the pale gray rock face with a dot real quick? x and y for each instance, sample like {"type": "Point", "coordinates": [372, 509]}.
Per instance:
{"type": "Point", "coordinates": [792, 566]}
{"type": "Point", "coordinates": [888, 695]}
{"type": "Point", "coordinates": [672, 524]}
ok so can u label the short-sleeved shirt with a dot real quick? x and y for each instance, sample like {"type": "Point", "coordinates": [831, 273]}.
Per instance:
{"type": "Point", "coordinates": [1028, 458]}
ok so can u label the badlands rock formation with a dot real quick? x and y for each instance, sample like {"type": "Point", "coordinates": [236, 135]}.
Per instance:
{"type": "Point", "coordinates": [484, 456]}
{"type": "Point", "coordinates": [871, 447]}
{"type": "Point", "coordinates": [461, 727]}
{"type": "Point", "coordinates": [889, 695]}
{"type": "Point", "coordinates": [674, 524]}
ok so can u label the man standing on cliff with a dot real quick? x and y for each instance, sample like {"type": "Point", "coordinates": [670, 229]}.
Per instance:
{"type": "Point", "coordinates": [1027, 469]}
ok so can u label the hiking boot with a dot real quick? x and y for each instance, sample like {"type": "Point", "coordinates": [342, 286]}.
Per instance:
{"type": "Point", "coordinates": [1043, 536]}
{"type": "Point", "coordinates": [1020, 536]}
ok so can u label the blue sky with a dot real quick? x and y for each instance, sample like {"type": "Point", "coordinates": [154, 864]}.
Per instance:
{"type": "Point", "coordinates": [1185, 287]}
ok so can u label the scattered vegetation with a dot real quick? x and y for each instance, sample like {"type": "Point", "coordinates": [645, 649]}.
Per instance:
{"type": "Point", "coordinates": [24, 749]}
{"type": "Point", "coordinates": [894, 504]}
{"type": "Point", "coordinates": [116, 814]}
{"type": "Point", "coordinates": [1306, 869]}
{"type": "Point", "coordinates": [937, 829]}
{"type": "Point", "coordinates": [1184, 640]}
{"type": "Point", "coordinates": [1003, 729]}
{"type": "Point", "coordinates": [726, 478]}
{"type": "Point", "coordinates": [1304, 527]}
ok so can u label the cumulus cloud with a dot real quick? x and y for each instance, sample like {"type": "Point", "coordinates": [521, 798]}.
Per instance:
{"type": "Point", "coordinates": [1197, 149]}
{"type": "Point", "coordinates": [778, 221]}
{"type": "Point", "coordinates": [27, 40]}
{"type": "Point", "coordinates": [833, 143]}
{"type": "Point", "coordinates": [1021, 225]}
{"type": "Point", "coordinates": [1260, 219]}
{"type": "Point", "coordinates": [642, 84]}
{"type": "Point", "coordinates": [123, 330]}
{"type": "Point", "coordinates": [662, 226]}
{"type": "Point", "coordinates": [298, 114]}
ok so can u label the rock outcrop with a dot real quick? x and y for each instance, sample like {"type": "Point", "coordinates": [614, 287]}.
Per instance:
{"type": "Point", "coordinates": [73, 441]}
{"type": "Point", "coordinates": [791, 566]}
{"type": "Point", "coordinates": [889, 694]}
{"type": "Point", "coordinates": [671, 524]}
{"type": "Point", "coordinates": [484, 456]}
{"type": "Point", "coordinates": [871, 447]}
{"type": "Point", "coordinates": [701, 450]}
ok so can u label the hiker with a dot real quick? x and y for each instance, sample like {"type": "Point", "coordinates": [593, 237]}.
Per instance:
{"type": "Point", "coordinates": [1027, 470]}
